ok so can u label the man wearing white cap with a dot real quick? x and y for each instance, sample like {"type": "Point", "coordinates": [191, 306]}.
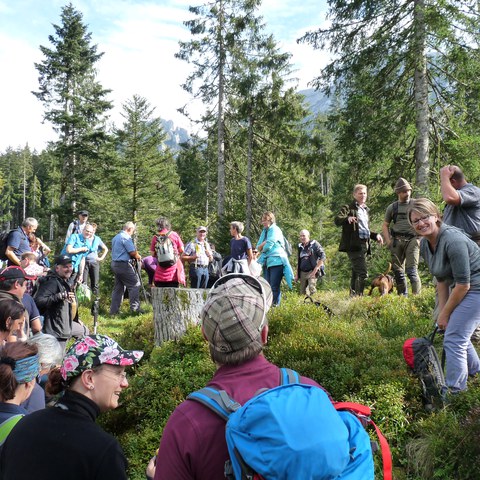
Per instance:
{"type": "Point", "coordinates": [198, 254]}
{"type": "Point", "coordinates": [234, 323]}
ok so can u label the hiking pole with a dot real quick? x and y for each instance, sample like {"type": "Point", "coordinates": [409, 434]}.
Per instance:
{"type": "Point", "coordinates": [137, 266]}
{"type": "Point", "coordinates": [94, 311]}
{"type": "Point", "coordinates": [138, 269]}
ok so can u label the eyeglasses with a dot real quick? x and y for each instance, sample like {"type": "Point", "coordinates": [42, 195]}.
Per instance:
{"type": "Point", "coordinates": [421, 219]}
{"type": "Point", "coordinates": [249, 280]}
{"type": "Point", "coordinates": [122, 376]}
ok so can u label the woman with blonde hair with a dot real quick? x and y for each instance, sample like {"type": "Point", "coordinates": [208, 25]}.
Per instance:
{"type": "Point", "coordinates": [454, 259]}
{"type": "Point", "coordinates": [273, 257]}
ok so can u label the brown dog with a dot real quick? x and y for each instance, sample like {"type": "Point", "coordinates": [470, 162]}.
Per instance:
{"type": "Point", "coordinates": [384, 282]}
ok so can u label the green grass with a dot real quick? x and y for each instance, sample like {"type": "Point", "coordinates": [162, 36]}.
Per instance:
{"type": "Point", "coordinates": [356, 354]}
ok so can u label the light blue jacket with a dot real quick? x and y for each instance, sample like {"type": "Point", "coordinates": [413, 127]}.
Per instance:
{"type": "Point", "coordinates": [273, 252]}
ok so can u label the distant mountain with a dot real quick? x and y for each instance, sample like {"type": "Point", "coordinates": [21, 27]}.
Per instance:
{"type": "Point", "coordinates": [316, 101]}
{"type": "Point", "coordinates": [175, 135]}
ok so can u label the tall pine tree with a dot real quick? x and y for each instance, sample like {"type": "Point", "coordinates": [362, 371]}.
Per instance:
{"type": "Point", "coordinates": [144, 176]}
{"type": "Point", "coordinates": [75, 102]}
{"type": "Point", "coordinates": [392, 71]}
{"type": "Point", "coordinates": [220, 30]}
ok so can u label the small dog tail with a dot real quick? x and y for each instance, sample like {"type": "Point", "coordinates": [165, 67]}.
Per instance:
{"type": "Point", "coordinates": [389, 269]}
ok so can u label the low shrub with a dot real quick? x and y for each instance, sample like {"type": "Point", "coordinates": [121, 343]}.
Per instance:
{"type": "Point", "coordinates": [353, 349]}
{"type": "Point", "coordinates": [446, 445]}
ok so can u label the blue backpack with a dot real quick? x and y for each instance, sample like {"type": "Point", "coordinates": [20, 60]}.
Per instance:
{"type": "Point", "coordinates": [295, 431]}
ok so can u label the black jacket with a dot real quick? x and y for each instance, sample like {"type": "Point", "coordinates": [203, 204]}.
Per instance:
{"type": "Point", "coordinates": [350, 241]}
{"type": "Point", "coordinates": [62, 442]}
{"type": "Point", "coordinates": [314, 251]}
{"type": "Point", "coordinates": [51, 300]}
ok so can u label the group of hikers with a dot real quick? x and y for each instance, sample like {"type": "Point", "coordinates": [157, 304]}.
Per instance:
{"type": "Point", "coordinates": [38, 364]}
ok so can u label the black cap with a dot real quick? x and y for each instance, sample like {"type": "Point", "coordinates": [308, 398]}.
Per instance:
{"type": "Point", "coordinates": [13, 272]}
{"type": "Point", "coordinates": [63, 260]}
{"type": "Point", "coordinates": [83, 213]}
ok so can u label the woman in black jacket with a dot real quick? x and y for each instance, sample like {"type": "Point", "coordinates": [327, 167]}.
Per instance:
{"type": "Point", "coordinates": [64, 441]}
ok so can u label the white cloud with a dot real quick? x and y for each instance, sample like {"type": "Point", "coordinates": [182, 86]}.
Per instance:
{"type": "Point", "coordinates": [21, 117]}
{"type": "Point", "coordinates": [139, 40]}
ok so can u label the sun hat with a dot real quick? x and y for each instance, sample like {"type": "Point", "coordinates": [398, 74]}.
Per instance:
{"type": "Point", "coordinates": [235, 311]}
{"type": "Point", "coordinates": [95, 350]}
{"type": "Point", "coordinates": [201, 228]}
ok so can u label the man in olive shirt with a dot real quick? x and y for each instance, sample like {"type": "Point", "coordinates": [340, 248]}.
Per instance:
{"type": "Point", "coordinates": [401, 240]}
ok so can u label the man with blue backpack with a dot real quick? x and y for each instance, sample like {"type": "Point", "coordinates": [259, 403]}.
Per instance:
{"type": "Point", "coordinates": [287, 427]}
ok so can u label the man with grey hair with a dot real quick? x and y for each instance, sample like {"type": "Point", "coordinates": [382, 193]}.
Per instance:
{"type": "Point", "coordinates": [18, 241]}
{"type": "Point", "coordinates": [57, 302]}
{"type": "Point", "coordinates": [124, 254]}
{"type": "Point", "coordinates": [234, 323]}
{"type": "Point", "coordinates": [311, 260]}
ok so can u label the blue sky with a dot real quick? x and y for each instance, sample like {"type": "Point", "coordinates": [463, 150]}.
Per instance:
{"type": "Point", "coordinates": [139, 39]}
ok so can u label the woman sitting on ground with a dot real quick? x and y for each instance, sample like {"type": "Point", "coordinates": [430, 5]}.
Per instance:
{"type": "Point", "coordinates": [12, 321]}
{"type": "Point", "coordinates": [19, 367]}
{"type": "Point", "coordinates": [50, 355]}
{"type": "Point", "coordinates": [92, 377]}
{"type": "Point", "coordinates": [454, 259]}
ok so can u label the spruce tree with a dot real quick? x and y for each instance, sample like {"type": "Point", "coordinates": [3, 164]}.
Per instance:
{"type": "Point", "coordinates": [144, 176]}
{"type": "Point", "coordinates": [75, 103]}
{"type": "Point", "coordinates": [393, 73]}
{"type": "Point", "coordinates": [220, 30]}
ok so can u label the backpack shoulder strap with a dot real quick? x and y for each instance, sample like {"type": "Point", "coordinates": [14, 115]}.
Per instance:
{"type": "Point", "coordinates": [288, 376]}
{"type": "Point", "coordinates": [217, 401]}
{"type": "Point", "coordinates": [395, 211]}
{"type": "Point", "coordinates": [7, 426]}
{"type": "Point", "coordinates": [362, 412]}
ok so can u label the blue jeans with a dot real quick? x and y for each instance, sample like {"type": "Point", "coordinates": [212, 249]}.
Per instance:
{"type": "Point", "coordinates": [461, 357]}
{"type": "Point", "coordinates": [274, 275]}
{"type": "Point", "coordinates": [198, 277]}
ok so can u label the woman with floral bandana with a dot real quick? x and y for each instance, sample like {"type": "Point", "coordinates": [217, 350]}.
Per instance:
{"type": "Point", "coordinates": [64, 441]}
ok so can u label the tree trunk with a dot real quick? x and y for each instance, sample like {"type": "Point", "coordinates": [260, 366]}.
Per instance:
{"type": "Point", "coordinates": [421, 101]}
{"type": "Point", "coordinates": [221, 120]}
{"type": "Point", "coordinates": [248, 213]}
{"type": "Point", "coordinates": [174, 309]}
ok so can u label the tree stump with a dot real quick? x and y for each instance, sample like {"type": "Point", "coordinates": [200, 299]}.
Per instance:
{"type": "Point", "coordinates": [174, 309]}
